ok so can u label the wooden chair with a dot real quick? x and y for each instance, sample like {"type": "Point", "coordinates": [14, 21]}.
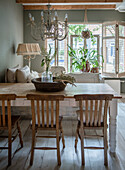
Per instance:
{"type": "Point", "coordinates": [57, 70]}
{"type": "Point", "coordinates": [93, 117]}
{"type": "Point", "coordinates": [8, 122]}
{"type": "Point", "coordinates": [46, 119]}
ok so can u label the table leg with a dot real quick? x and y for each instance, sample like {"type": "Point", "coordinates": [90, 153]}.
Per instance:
{"type": "Point", "coordinates": [112, 126]}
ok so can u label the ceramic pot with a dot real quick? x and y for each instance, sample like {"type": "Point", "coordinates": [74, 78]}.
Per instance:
{"type": "Point", "coordinates": [95, 70]}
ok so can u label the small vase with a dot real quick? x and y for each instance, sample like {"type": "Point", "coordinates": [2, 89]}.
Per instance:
{"type": "Point", "coordinates": [47, 76]}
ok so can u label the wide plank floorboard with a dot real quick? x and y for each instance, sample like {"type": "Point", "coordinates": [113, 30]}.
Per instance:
{"type": "Point", "coordinates": [70, 159]}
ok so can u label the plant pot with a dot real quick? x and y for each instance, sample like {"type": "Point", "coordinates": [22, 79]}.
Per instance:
{"type": "Point", "coordinates": [83, 70]}
{"type": "Point", "coordinates": [87, 66]}
{"type": "Point", "coordinates": [95, 70]}
{"type": "Point", "coordinates": [86, 34]}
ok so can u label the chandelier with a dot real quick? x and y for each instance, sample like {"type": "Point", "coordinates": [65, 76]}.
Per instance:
{"type": "Point", "coordinates": [48, 27]}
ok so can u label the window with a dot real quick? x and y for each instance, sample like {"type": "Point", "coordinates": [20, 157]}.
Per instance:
{"type": "Point", "coordinates": [62, 58]}
{"type": "Point", "coordinates": [61, 54]}
{"type": "Point", "coordinates": [76, 42]}
{"type": "Point", "coordinates": [113, 47]}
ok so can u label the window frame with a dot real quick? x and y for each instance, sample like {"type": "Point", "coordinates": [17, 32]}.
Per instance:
{"type": "Point", "coordinates": [116, 38]}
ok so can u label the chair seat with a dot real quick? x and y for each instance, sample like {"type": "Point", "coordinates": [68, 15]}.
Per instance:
{"type": "Point", "coordinates": [14, 120]}
{"type": "Point", "coordinates": [45, 125]}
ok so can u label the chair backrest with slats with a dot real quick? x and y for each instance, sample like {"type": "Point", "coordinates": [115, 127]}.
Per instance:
{"type": "Point", "coordinates": [95, 112]}
{"type": "Point", "coordinates": [6, 102]}
{"type": "Point", "coordinates": [43, 111]}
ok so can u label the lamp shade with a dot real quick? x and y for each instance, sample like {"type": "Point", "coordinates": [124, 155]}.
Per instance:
{"type": "Point", "coordinates": [28, 49]}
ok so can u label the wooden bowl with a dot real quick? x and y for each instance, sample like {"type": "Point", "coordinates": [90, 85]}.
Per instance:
{"type": "Point", "coordinates": [48, 86]}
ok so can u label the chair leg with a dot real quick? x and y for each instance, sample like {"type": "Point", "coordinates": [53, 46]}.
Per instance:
{"type": "Point", "coordinates": [58, 147]}
{"type": "Point", "coordinates": [63, 140]}
{"type": "Point", "coordinates": [82, 145]}
{"type": "Point", "coordinates": [32, 146]}
{"type": "Point", "coordinates": [20, 135]}
{"type": "Point", "coordinates": [76, 140]}
{"type": "Point", "coordinates": [105, 148]}
{"type": "Point", "coordinates": [9, 147]}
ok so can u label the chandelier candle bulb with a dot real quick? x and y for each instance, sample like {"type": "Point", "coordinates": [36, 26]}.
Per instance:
{"type": "Point", "coordinates": [41, 13]}
{"type": "Point", "coordinates": [66, 17]}
{"type": "Point", "coordinates": [56, 15]}
{"type": "Point", "coordinates": [32, 18]}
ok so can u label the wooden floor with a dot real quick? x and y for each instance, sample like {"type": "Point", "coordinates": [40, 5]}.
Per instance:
{"type": "Point", "coordinates": [71, 160]}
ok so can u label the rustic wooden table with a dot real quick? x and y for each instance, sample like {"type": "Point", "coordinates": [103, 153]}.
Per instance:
{"type": "Point", "coordinates": [21, 89]}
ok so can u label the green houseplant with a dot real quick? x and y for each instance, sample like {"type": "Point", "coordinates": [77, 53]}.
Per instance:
{"type": "Point", "coordinates": [83, 55]}
{"type": "Point", "coordinates": [94, 59]}
{"type": "Point", "coordinates": [47, 58]}
{"type": "Point", "coordinates": [79, 57]}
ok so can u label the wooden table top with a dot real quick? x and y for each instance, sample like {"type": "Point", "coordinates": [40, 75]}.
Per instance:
{"type": "Point", "coordinates": [21, 89]}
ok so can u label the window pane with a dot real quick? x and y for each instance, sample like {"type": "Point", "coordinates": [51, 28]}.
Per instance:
{"type": "Point", "coordinates": [122, 30]}
{"type": "Point", "coordinates": [62, 53]}
{"type": "Point", "coordinates": [109, 55]}
{"type": "Point", "coordinates": [76, 29]}
{"type": "Point", "coordinates": [90, 44]}
{"type": "Point", "coordinates": [109, 30]}
{"type": "Point", "coordinates": [77, 43]}
{"type": "Point", "coordinates": [51, 43]}
{"type": "Point", "coordinates": [121, 55]}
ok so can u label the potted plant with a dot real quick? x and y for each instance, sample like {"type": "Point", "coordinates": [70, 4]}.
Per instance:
{"type": "Point", "coordinates": [83, 57]}
{"type": "Point", "coordinates": [47, 58]}
{"type": "Point", "coordinates": [86, 33]}
{"type": "Point", "coordinates": [79, 57]}
{"type": "Point", "coordinates": [94, 59]}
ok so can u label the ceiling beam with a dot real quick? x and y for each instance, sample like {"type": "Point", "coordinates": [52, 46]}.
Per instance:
{"type": "Point", "coordinates": [68, 7]}
{"type": "Point", "coordinates": [69, 1]}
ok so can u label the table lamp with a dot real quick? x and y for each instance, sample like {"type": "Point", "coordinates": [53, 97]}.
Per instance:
{"type": "Point", "coordinates": [29, 50]}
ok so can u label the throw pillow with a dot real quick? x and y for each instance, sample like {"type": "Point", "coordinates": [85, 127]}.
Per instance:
{"type": "Point", "coordinates": [23, 74]}
{"type": "Point", "coordinates": [33, 75]}
{"type": "Point", "coordinates": [10, 74]}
